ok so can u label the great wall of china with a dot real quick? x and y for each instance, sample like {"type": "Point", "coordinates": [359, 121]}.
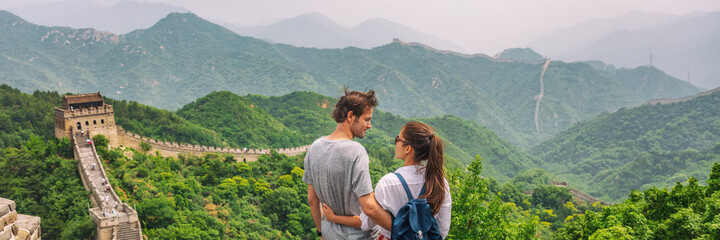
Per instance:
{"type": "Point", "coordinates": [669, 101]}
{"type": "Point", "coordinates": [85, 115]}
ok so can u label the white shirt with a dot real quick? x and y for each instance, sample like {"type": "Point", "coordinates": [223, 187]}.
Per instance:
{"type": "Point", "coordinates": [391, 195]}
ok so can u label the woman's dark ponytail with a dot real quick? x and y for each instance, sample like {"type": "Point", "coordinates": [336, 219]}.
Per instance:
{"type": "Point", "coordinates": [428, 146]}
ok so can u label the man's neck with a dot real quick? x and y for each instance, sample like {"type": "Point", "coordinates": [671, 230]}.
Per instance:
{"type": "Point", "coordinates": [342, 132]}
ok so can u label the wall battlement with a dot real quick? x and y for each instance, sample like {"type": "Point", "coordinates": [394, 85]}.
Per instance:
{"type": "Point", "coordinates": [174, 148]}
{"type": "Point", "coordinates": [677, 100]}
{"type": "Point", "coordinates": [59, 112]}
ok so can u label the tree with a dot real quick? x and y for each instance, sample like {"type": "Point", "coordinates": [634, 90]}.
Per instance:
{"type": "Point", "coordinates": [100, 141]}
{"type": "Point", "coordinates": [156, 212]}
{"type": "Point", "coordinates": [713, 181]}
{"type": "Point", "coordinates": [550, 197]}
{"type": "Point", "coordinates": [476, 217]}
{"type": "Point", "coordinates": [145, 146]}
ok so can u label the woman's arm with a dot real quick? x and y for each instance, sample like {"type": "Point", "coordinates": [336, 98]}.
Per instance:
{"type": "Point", "coordinates": [350, 221]}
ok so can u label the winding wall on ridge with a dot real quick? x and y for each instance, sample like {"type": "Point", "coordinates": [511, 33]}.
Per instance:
{"type": "Point", "coordinates": [113, 218]}
{"type": "Point", "coordinates": [129, 139]}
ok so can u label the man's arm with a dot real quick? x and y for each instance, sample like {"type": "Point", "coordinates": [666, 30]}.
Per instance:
{"type": "Point", "coordinates": [314, 202]}
{"type": "Point", "coordinates": [372, 209]}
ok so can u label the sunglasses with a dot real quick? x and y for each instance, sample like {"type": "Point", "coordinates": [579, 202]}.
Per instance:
{"type": "Point", "coordinates": [397, 139]}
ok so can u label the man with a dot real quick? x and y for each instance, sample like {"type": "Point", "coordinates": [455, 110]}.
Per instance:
{"type": "Point", "coordinates": [336, 167]}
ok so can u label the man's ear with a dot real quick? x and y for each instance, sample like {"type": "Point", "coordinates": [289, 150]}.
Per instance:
{"type": "Point", "coordinates": [350, 116]}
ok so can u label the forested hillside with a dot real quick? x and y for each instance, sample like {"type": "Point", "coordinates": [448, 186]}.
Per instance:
{"type": "Point", "coordinates": [240, 122]}
{"type": "Point", "coordinates": [23, 115]}
{"type": "Point", "coordinates": [225, 119]}
{"type": "Point", "coordinates": [650, 145]}
{"type": "Point", "coordinates": [215, 197]}
{"type": "Point", "coordinates": [162, 124]}
{"type": "Point", "coordinates": [183, 57]}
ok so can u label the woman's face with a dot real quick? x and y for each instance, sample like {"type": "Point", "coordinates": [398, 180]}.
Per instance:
{"type": "Point", "coordinates": [401, 146]}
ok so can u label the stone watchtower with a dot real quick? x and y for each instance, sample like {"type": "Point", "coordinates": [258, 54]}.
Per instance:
{"type": "Point", "coordinates": [85, 112]}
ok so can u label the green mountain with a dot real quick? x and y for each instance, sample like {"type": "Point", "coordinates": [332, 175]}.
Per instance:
{"type": "Point", "coordinates": [162, 124]}
{"type": "Point", "coordinates": [520, 54]}
{"type": "Point", "coordinates": [237, 119]}
{"type": "Point", "coordinates": [654, 144]}
{"type": "Point", "coordinates": [183, 57]}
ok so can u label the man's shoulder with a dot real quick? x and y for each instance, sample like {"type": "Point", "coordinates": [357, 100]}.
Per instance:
{"type": "Point", "coordinates": [343, 144]}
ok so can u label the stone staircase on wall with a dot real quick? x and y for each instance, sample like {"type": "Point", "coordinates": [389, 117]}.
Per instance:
{"type": "Point", "coordinates": [126, 231]}
{"type": "Point", "coordinates": [109, 225]}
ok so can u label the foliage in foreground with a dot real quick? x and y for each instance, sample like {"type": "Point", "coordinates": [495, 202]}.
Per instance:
{"type": "Point", "coordinates": [42, 178]}
{"type": "Point", "coordinates": [689, 211]}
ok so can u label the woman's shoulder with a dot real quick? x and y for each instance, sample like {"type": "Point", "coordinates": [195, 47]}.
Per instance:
{"type": "Point", "coordinates": [410, 174]}
{"type": "Point", "coordinates": [389, 178]}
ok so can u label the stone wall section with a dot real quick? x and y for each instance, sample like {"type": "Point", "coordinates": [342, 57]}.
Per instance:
{"type": "Point", "coordinates": [669, 101]}
{"type": "Point", "coordinates": [17, 226]}
{"type": "Point", "coordinates": [580, 195]}
{"type": "Point", "coordinates": [129, 139]}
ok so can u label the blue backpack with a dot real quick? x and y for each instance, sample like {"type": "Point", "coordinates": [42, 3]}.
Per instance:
{"type": "Point", "coordinates": [414, 220]}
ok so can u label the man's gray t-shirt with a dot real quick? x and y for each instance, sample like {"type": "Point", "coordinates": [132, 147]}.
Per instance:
{"type": "Point", "coordinates": [339, 173]}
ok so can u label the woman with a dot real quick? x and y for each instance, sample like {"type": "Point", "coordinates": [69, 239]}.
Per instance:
{"type": "Point", "coordinates": [422, 152]}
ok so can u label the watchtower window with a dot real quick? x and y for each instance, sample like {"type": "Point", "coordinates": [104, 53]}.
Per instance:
{"type": "Point", "coordinates": [79, 126]}
{"type": "Point", "coordinates": [94, 122]}
{"type": "Point", "coordinates": [87, 123]}
{"type": "Point", "coordinates": [102, 121]}
{"type": "Point", "coordinates": [87, 105]}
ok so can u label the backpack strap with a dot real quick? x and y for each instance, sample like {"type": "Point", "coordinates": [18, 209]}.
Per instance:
{"type": "Point", "coordinates": [407, 190]}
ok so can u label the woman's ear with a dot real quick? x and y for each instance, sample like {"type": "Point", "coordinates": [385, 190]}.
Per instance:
{"type": "Point", "coordinates": [408, 149]}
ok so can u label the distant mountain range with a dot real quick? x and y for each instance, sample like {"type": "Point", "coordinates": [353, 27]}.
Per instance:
{"type": "Point", "coordinates": [123, 17]}
{"type": "Point", "coordinates": [687, 47]}
{"type": "Point", "coordinates": [183, 57]}
{"type": "Point", "coordinates": [318, 31]}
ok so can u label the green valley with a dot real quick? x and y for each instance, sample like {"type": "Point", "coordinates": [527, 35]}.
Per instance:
{"type": "Point", "coordinates": [650, 145]}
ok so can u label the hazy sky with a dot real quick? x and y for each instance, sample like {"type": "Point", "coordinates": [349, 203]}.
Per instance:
{"type": "Point", "coordinates": [480, 26]}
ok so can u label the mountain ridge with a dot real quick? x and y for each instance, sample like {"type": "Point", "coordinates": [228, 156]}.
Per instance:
{"type": "Point", "coordinates": [184, 57]}
{"type": "Point", "coordinates": [315, 30]}
{"type": "Point", "coordinates": [119, 18]}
